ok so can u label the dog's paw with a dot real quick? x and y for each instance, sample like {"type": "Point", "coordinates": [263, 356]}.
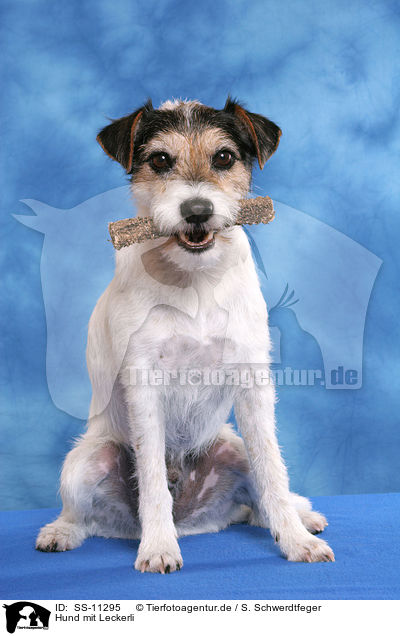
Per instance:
{"type": "Point", "coordinates": [163, 561]}
{"type": "Point", "coordinates": [313, 521]}
{"type": "Point", "coordinates": [59, 536]}
{"type": "Point", "coordinates": [310, 550]}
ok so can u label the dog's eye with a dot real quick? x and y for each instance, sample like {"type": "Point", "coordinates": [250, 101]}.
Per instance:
{"type": "Point", "coordinates": [223, 159]}
{"type": "Point", "coordinates": [160, 161]}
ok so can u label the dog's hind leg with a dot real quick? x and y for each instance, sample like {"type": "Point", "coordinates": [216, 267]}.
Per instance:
{"type": "Point", "coordinates": [97, 499]}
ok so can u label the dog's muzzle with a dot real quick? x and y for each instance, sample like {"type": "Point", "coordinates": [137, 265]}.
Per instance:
{"type": "Point", "coordinates": [196, 213]}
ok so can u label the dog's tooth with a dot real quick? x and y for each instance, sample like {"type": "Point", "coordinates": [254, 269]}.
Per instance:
{"type": "Point", "coordinates": [207, 238]}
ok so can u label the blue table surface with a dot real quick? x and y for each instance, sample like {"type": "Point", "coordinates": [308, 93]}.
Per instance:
{"type": "Point", "coordinates": [241, 562]}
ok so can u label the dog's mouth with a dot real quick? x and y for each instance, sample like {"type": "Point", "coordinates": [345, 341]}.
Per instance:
{"type": "Point", "coordinates": [196, 240]}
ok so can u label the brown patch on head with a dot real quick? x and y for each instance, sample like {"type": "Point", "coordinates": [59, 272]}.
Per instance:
{"type": "Point", "coordinates": [132, 138]}
{"type": "Point", "coordinates": [240, 112]}
{"type": "Point", "coordinates": [192, 155]}
{"type": "Point", "coordinates": [127, 138]}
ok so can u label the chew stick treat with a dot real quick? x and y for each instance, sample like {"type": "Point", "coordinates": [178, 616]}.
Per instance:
{"type": "Point", "coordinates": [136, 230]}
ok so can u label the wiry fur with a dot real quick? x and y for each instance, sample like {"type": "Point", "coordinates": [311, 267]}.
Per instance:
{"type": "Point", "coordinates": [159, 461]}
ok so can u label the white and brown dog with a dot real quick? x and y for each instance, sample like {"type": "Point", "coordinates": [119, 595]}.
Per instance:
{"type": "Point", "coordinates": [158, 459]}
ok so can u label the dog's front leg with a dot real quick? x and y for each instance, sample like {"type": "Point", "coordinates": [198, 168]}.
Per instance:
{"type": "Point", "coordinates": [254, 409]}
{"type": "Point", "coordinates": [158, 549]}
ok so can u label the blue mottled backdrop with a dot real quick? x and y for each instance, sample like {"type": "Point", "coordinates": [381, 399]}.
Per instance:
{"type": "Point", "coordinates": [327, 72]}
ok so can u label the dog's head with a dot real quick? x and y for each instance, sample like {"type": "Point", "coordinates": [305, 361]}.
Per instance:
{"type": "Point", "coordinates": [189, 165]}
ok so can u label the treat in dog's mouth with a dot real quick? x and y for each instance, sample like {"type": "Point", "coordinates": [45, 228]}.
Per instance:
{"type": "Point", "coordinates": [128, 231]}
{"type": "Point", "coordinates": [196, 240]}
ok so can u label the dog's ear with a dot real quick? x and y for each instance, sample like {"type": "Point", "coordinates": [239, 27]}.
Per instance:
{"type": "Point", "coordinates": [118, 138]}
{"type": "Point", "coordinates": [263, 133]}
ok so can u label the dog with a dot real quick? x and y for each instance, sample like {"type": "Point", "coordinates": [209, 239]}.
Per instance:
{"type": "Point", "coordinates": [158, 459]}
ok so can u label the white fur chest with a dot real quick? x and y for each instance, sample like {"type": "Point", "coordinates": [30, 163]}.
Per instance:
{"type": "Point", "coordinates": [185, 343]}
{"type": "Point", "coordinates": [196, 360]}
{"type": "Point", "coordinates": [186, 370]}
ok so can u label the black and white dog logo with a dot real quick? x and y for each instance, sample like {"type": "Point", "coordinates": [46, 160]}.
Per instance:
{"type": "Point", "coordinates": [26, 615]}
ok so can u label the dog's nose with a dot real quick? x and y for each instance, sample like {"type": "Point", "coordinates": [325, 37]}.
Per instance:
{"type": "Point", "coordinates": [197, 210]}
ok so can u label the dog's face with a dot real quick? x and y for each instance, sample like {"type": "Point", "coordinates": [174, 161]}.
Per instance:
{"type": "Point", "coordinates": [190, 164]}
